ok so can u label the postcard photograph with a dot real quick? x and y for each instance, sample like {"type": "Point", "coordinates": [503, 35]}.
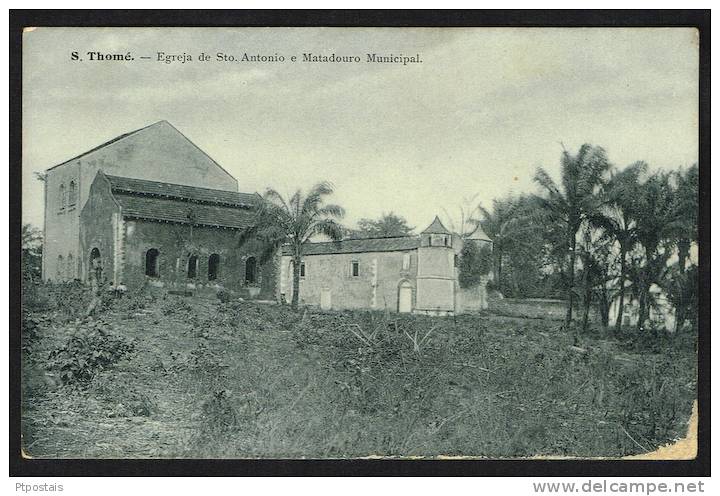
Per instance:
{"type": "Point", "coordinates": [336, 243]}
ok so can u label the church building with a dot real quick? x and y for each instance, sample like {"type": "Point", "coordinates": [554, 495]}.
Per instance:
{"type": "Point", "coordinates": [149, 208]}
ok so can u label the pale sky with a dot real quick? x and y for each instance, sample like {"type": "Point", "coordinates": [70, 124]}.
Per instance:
{"type": "Point", "coordinates": [474, 119]}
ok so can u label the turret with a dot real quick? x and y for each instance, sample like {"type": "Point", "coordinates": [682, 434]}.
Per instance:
{"type": "Point", "coordinates": [436, 270]}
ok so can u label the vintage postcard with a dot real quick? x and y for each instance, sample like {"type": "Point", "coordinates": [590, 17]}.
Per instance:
{"type": "Point", "coordinates": [359, 242]}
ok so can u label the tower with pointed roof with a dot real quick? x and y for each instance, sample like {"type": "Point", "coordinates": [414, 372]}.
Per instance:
{"type": "Point", "coordinates": [436, 271]}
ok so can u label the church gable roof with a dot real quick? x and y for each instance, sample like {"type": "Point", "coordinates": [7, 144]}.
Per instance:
{"type": "Point", "coordinates": [159, 142]}
{"type": "Point", "coordinates": [178, 211]}
{"type": "Point", "coordinates": [166, 202]}
{"type": "Point", "coordinates": [436, 227]}
{"type": "Point", "coordinates": [401, 243]}
{"type": "Point", "coordinates": [181, 192]}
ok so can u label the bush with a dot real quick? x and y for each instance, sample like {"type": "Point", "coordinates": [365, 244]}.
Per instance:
{"type": "Point", "coordinates": [226, 295]}
{"type": "Point", "coordinates": [176, 305]}
{"type": "Point", "coordinates": [87, 351]}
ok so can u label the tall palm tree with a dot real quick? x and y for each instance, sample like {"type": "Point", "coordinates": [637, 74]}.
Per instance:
{"type": "Point", "coordinates": [686, 210]}
{"type": "Point", "coordinates": [616, 220]}
{"type": "Point", "coordinates": [507, 225]}
{"type": "Point", "coordinates": [293, 222]}
{"type": "Point", "coordinates": [571, 202]}
{"type": "Point", "coordinates": [657, 222]}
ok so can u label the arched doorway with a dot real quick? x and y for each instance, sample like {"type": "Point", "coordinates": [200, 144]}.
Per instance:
{"type": "Point", "coordinates": [405, 297]}
{"type": "Point", "coordinates": [213, 266]}
{"type": "Point", "coordinates": [152, 257]}
{"type": "Point", "coordinates": [250, 270]}
{"type": "Point", "coordinates": [95, 266]}
{"type": "Point", "coordinates": [192, 267]}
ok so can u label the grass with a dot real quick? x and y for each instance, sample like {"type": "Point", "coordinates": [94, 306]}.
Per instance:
{"type": "Point", "coordinates": [201, 378]}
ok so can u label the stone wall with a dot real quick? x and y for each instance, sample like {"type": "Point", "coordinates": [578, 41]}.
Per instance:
{"type": "Point", "coordinates": [98, 228]}
{"type": "Point", "coordinates": [61, 230]}
{"type": "Point", "coordinates": [175, 243]}
{"type": "Point", "coordinates": [157, 153]}
{"type": "Point", "coordinates": [375, 287]}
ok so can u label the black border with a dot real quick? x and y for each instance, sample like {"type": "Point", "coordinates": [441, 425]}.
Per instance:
{"type": "Point", "coordinates": [699, 19]}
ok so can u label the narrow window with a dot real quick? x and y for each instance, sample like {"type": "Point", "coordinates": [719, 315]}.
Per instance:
{"type": "Point", "coordinates": [355, 268]}
{"type": "Point", "coordinates": [192, 267]}
{"type": "Point", "coordinates": [406, 261]}
{"type": "Point", "coordinates": [63, 199]}
{"type": "Point", "coordinates": [70, 266]}
{"type": "Point", "coordinates": [250, 270]}
{"type": "Point", "coordinates": [72, 198]}
{"type": "Point", "coordinates": [302, 269]}
{"type": "Point", "coordinates": [151, 263]}
{"type": "Point", "coordinates": [445, 240]}
{"type": "Point", "coordinates": [60, 268]}
{"type": "Point", "coordinates": [213, 266]}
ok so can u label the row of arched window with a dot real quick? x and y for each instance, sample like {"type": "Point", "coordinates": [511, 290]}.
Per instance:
{"type": "Point", "coordinates": [68, 197]}
{"type": "Point", "coordinates": [152, 266]}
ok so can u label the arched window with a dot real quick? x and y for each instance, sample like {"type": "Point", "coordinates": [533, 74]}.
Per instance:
{"type": "Point", "coordinates": [63, 198]}
{"type": "Point", "coordinates": [250, 270]}
{"type": "Point", "coordinates": [70, 266]}
{"type": "Point", "coordinates": [192, 267]}
{"type": "Point", "coordinates": [72, 194]}
{"type": "Point", "coordinates": [60, 269]}
{"type": "Point", "coordinates": [213, 266]}
{"type": "Point", "coordinates": [152, 257]}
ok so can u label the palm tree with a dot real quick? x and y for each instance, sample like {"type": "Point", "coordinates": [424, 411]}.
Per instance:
{"type": "Point", "coordinates": [657, 224]}
{"type": "Point", "coordinates": [686, 211]}
{"type": "Point", "coordinates": [615, 219]}
{"type": "Point", "coordinates": [293, 222]}
{"type": "Point", "coordinates": [507, 225]}
{"type": "Point", "coordinates": [571, 202]}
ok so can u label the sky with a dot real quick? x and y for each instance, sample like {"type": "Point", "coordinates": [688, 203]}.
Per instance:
{"type": "Point", "coordinates": [472, 122]}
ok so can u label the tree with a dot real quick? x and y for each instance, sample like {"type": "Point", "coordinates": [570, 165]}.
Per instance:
{"type": "Point", "coordinates": [657, 222]}
{"type": "Point", "coordinates": [386, 226]}
{"type": "Point", "coordinates": [507, 225]}
{"type": "Point", "coordinates": [571, 202]}
{"type": "Point", "coordinates": [31, 245]}
{"type": "Point", "coordinates": [616, 220]}
{"type": "Point", "coordinates": [474, 263]}
{"type": "Point", "coordinates": [686, 233]}
{"type": "Point", "coordinates": [293, 222]}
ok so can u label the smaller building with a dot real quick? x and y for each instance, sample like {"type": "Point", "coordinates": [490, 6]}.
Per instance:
{"type": "Point", "coordinates": [405, 274]}
{"type": "Point", "coordinates": [137, 232]}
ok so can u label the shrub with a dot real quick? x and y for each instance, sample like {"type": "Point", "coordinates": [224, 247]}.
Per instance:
{"type": "Point", "coordinates": [176, 305]}
{"type": "Point", "coordinates": [87, 351]}
{"type": "Point", "coordinates": [226, 295]}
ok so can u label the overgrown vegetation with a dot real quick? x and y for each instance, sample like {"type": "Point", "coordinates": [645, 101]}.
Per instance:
{"type": "Point", "coordinates": [192, 377]}
{"type": "Point", "coordinates": [600, 234]}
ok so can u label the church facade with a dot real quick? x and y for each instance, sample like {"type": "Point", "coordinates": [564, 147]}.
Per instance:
{"type": "Point", "coordinates": [149, 208]}
{"type": "Point", "coordinates": [158, 152]}
{"type": "Point", "coordinates": [408, 274]}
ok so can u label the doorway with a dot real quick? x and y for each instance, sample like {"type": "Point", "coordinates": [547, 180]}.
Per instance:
{"type": "Point", "coordinates": [405, 297]}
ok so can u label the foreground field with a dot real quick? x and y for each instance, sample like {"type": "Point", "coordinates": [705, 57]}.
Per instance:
{"type": "Point", "coordinates": [169, 377]}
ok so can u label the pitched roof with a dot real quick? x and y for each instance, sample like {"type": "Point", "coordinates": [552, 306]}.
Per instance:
{"type": "Point", "coordinates": [103, 145]}
{"type": "Point", "coordinates": [158, 124]}
{"type": "Point", "coordinates": [479, 235]}
{"type": "Point", "coordinates": [436, 228]}
{"type": "Point", "coordinates": [171, 210]}
{"type": "Point", "coordinates": [181, 192]}
{"type": "Point", "coordinates": [402, 243]}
